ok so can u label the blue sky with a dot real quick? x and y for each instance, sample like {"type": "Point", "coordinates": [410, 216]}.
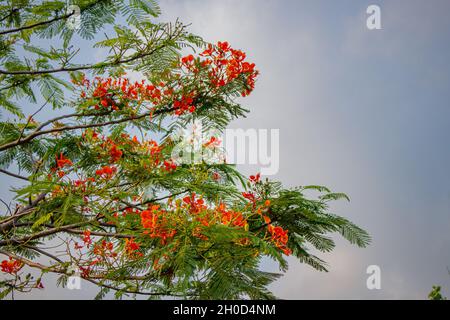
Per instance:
{"type": "Point", "coordinates": [363, 112]}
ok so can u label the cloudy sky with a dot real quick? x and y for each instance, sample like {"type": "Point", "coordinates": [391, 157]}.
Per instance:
{"type": "Point", "coordinates": [365, 112]}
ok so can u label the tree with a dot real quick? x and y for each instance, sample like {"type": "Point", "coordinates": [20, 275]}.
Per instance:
{"type": "Point", "coordinates": [98, 179]}
{"type": "Point", "coordinates": [436, 294]}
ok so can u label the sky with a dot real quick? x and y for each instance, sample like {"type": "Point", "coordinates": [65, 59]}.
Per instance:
{"type": "Point", "coordinates": [365, 112]}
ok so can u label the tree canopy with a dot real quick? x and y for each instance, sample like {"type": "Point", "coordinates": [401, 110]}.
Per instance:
{"type": "Point", "coordinates": [96, 180]}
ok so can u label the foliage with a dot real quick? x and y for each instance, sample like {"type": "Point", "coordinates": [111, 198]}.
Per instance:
{"type": "Point", "coordinates": [435, 294]}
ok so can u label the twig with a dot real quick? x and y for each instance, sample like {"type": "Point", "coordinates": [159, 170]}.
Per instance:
{"type": "Point", "coordinates": [15, 175]}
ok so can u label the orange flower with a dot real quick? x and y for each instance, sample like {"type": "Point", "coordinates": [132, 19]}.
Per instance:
{"type": "Point", "coordinates": [115, 153]}
{"type": "Point", "coordinates": [63, 161]}
{"type": "Point", "coordinates": [106, 172]}
{"type": "Point", "coordinates": [280, 238]}
{"type": "Point", "coordinates": [11, 266]}
{"type": "Point", "coordinates": [132, 248]}
{"type": "Point", "coordinates": [87, 237]}
{"type": "Point", "coordinates": [213, 142]}
{"type": "Point", "coordinates": [156, 225]}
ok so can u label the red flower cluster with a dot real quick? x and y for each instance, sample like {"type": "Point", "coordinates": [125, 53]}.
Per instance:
{"type": "Point", "coordinates": [169, 166]}
{"type": "Point", "coordinates": [280, 238]}
{"type": "Point", "coordinates": [227, 65]}
{"type": "Point", "coordinates": [250, 196]}
{"type": "Point", "coordinates": [87, 237]}
{"type": "Point", "coordinates": [115, 153]}
{"type": "Point", "coordinates": [156, 225]}
{"type": "Point", "coordinates": [230, 217]}
{"type": "Point", "coordinates": [132, 248]}
{"type": "Point", "coordinates": [148, 151]}
{"type": "Point", "coordinates": [256, 178]}
{"type": "Point", "coordinates": [11, 266]}
{"type": "Point", "coordinates": [207, 216]}
{"type": "Point", "coordinates": [183, 105]}
{"type": "Point", "coordinates": [106, 172]}
{"type": "Point", "coordinates": [213, 142]}
{"type": "Point", "coordinates": [82, 185]}
{"type": "Point", "coordinates": [104, 249]}
{"type": "Point", "coordinates": [117, 93]}
{"type": "Point", "coordinates": [193, 204]}
{"type": "Point", "coordinates": [62, 161]}
{"type": "Point", "coordinates": [120, 93]}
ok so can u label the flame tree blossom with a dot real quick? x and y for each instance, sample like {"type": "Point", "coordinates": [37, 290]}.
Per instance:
{"type": "Point", "coordinates": [99, 191]}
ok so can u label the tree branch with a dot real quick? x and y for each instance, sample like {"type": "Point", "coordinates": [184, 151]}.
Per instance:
{"type": "Point", "coordinates": [38, 133]}
{"type": "Point", "coordinates": [18, 176]}
{"type": "Point", "coordinates": [38, 24]}
{"type": "Point", "coordinates": [86, 67]}
{"type": "Point", "coordinates": [42, 234]}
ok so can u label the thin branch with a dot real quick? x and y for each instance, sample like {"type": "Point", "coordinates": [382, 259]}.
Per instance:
{"type": "Point", "coordinates": [101, 284]}
{"type": "Point", "coordinates": [71, 115]}
{"type": "Point", "coordinates": [92, 278]}
{"type": "Point", "coordinates": [18, 176]}
{"type": "Point", "coordinates": [13, 85]}
{"type": "Point", "coordinates": [35, 113]}
{"type": "Point", "coordinates": [81, 126]}
{"type": "Point", "coordinates": [6, 205]}
{"type": "Point", "coordinates": [20, 212]}
{"type": "Point", "coordinates": [42, 234]}
{"type": "Point", "coordinates": [101, 234]}
{"type": "Point", "coordinates": [45, 253]}
{"type": "Point", "coordinates": [132, 58]}
{"type": "Point", "coordinates": [38, 24]}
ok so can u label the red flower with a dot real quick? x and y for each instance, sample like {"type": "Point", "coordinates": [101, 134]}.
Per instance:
{"type": "Point", "coordinates": [63, 161]}
{"type": "Point", "coordinates": [234, 218]}
{"type": "Point", "coordinates": [39, 285]}
{"type": "Point", "coordinates": [224, 46]}
{"type": "Point", "coordinates": [115, 153]}
{"type": "Point", "coordinates": [248, 195]}
{"type": "Point", "coordinates": [87, 237]}
{"type": "Point", "coordinates": [106, 172]}
{"type": "Point", "coordinates": [11, 266]}
{"type": "Point", "coordinates": [169, 166]}
{"type": "Point", "coordinates": [213, 142]}
{"type": "Point", "coordinates": [104, 103]}
{"type": "Point", "coordinates": [255, 178]}
{"type": "Point", "coordinates": [209, 51]}
{"type": "Point", "coordinates": [280, 238]}
{"type": "Point", "coordinates": [188, 59]}
{"type": "Point", "coordinates": [155, 223]}
{"type": "Point", "coordinates": [184, 104]}
{"type": "Point", "coordinates": [132, 248]}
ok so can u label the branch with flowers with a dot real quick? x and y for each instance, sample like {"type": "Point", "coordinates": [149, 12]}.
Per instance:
{"type": "Point", "coordinates": [98, 193]}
